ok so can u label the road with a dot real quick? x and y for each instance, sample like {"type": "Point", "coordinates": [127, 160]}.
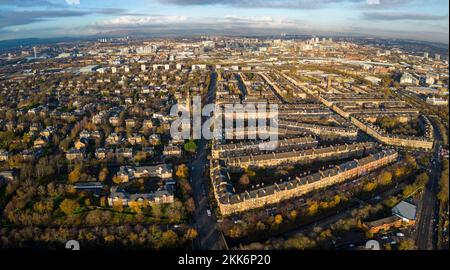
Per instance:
{"type": "Point", "coordinates": [209, 238]}
{"type": "Point", "coordinates": [428, 210]}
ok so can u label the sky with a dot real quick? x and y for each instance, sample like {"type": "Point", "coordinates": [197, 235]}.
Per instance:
{"type": "Point", "coordinates": [406, 19]}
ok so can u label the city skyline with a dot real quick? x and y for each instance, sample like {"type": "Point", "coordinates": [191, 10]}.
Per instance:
{"type": "Point", "coordinates": [406, 19]}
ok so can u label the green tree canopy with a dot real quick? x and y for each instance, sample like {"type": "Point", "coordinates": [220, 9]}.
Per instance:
{"type": "Point", "coordinates": [190, 147]}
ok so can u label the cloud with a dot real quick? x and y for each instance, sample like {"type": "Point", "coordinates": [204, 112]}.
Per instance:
{"type": "Point", "coordinates": [204, 22]}
{"type": "Point", "coordinates": [29, 3]}
{"type": "Point", "coordinates": [373, 2]}
{"type": "Point", "coordinates": [282, 4]}
{"type": "Point", "coordinates": [142, 21]}
{"type": "Point", "coordinates": [73, 2]}
{"type": "Point", "coordinates": [393, 16]}
{"type": "Point", "coordinates": [288, 4]}
{"type": "Point", "coordinates": [176, 26]}
{"type": "Point", "coordinates": [13, 18]}
{"type": "Point", "coordinates": [160, 25]}
{"type": "Point", "coordinates": [111, 11]}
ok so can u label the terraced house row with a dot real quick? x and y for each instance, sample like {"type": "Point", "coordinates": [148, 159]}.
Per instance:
{"type": "Point", "coordinates": [426, 142]}
{"type": "Point", "coordinates": [348, 132]}
{"type": "Point", "coordinates": [243, 148]}
{"type": "Point", "coordinates": [301, 157]}
{"type": "Point", "coordinates": [231, 203]}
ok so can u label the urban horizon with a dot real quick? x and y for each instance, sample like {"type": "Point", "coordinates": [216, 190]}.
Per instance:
{"type": "Point", "coordinates": [374, 18]}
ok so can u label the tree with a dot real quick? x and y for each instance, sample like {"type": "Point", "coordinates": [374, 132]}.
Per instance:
{"type": "Point", "coordinates": [370, 186]}
{"type": "Point", "coordinates": [190, 206]}
{"type": "Point", "coordinates": [244, 180]}
{"type": "Point", "coordinates": [109, 238]}
{"type": "Point", "coordinates": [444, 184]}
{"type": "Point", "coordinates": [191, 234]}
{"type": "Point", "coordinates": [250, 173]}
{"type": "Point", "coordinates": [408, 191]}
{"type": "Point", "coordinates": [118, 205]}
{"type": "Point", "coordinates": [103, 174]}
{"type": "Point", "coordinates": [411, 161]}
{"type": "Point", "coordinates": [337, 199]}
{"type": "Point", "coordinates": [175, 213]}
{"type": "Point", "coordinates": [293, 214]}
{"type": "Point", "coordinates": [407, 244]}
{"type": "Point", "coordinates": [385, 178]}
{"type": "Point", "coordinates": [313, 208]}
{"type": "Point", "coordinates": [94, 218]}
{"type": "Point", "coordinates": [422, 180]}
{"type": "Point", "coordinates": [260, 226]}
{"type": "Point", "coordinates": [182, 172]}
{"type": "Point", "coordinates": [190, 147]}
{"type": "Point", "coordinates": [117, 180]}
{"type": "Point", "coordinates": [169, 239]}
{"type": "Point", "coordinates": [156, 211]}
{"type": "Point", "coordinates": [136, 207]}
{"type": "Point", "coordinates": [69, 206]}
{"type": "Point", "coordinates": [400, 171]}
{"type": "Point", "coordinates": [278, 219]}
{"type": "Point", "coordinates": [103, 201]}
{"type": "Point", "coordinates": [299, 242]}
{"type": "Point", "coordinates": [391, 201]}
{"type": "Point", "coordinates": [75, 174]}
{"type": "Point", "coordinates": [141, 156]}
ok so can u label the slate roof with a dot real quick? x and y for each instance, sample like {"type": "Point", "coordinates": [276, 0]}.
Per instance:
{"type": "Point", "coordinates": [405, 210]}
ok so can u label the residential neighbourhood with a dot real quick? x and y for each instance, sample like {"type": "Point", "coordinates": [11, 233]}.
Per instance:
{"type": "Point", "coordinates": [91, 151]}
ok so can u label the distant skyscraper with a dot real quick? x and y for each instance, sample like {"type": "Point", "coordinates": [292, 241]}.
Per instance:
{"type": "Point", "coordinates": [425, 55]}
{"type": "Point", "coordinates": [437, 56]}
{"type": "Point", "coordinates": [34, 52]}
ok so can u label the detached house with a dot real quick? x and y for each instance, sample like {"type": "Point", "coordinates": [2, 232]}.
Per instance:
{"type": "Point", "coordinates": [102, 153]}
{"type": "Point", "coordinates": [124, 153]}
{"type": "Point", "coordinates": [47, 132]}
{"type": "Point", "coordinates": [130, 123]}
{"type": "Point", "coordinates": [127, 173]}
{"type": "Point", "coordinates": [114, 121]}
{"type": "Point", "coordinates": [75, 154]}
{"type": "Point", "coordinates": [155, 139]}
{"type": "Point", "coordinates": [4, 155]}
{"type": "Point", "coordinates": [40, 142]}
{"type": "Point", "coordinates": [161, 196]}
{"type": "Point", "coordinates": [147, 124]}
{"type": "Point", "coordinates": [172, 151]}
{"type": "Point", "coordinates": [136, 139]}
{"type": "Point", "coordinates": [113, 138]}
{"type": "Point", "coordinates": [7, 175]}
{"type": "Point", "coordinates": [85, 134]}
